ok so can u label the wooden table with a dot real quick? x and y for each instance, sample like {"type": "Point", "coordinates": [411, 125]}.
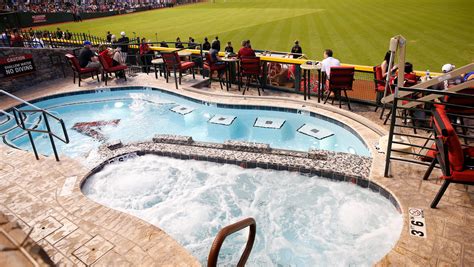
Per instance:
{"type": "Point", "coordinates": [228, 62]}
{"type": "Point", "coordinates": [307, 68]}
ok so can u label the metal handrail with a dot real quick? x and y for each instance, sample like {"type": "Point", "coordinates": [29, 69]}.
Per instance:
{"type": "Point", "coordinates": [228, 230]}
{"type": "Point", "coordinates": [19, 117]}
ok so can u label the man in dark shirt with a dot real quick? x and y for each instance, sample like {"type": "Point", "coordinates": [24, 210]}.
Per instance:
{"type": "Point", "coordinates": [192, 44]}
{"type": "Point", "coordinates": [87, 58]}
{"type": "Point", "coordinates": [109, 37]}
{"type": "Point", "coordinates": [229, 49]}
{"type": "Point", "coordinates": [296, 49]}
{"type": "Point", "coordinates": [206, 45]}
{"type": "Point", "coordinates": [124, 40]}
{"type": "Point", "coordinates": [218, 44]}
{"type": "Point", "coordinates": [179, 44]}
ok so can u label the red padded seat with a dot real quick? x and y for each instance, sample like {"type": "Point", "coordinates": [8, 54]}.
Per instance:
{"type": "Point", "coordinates": [106, 68]}
{"type": "Point", "coordinates": [455, 162]}
{"type": "Point", "coordinates": [76, 69]}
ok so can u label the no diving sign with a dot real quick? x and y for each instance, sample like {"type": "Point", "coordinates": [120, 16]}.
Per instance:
{"type": "Point", "coordinates": [16, 65]}
{"type": "Point", "coordinates": [416, 222]}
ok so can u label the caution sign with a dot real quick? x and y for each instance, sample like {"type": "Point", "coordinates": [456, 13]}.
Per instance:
{"type": "Point", "coordinates": [16, 65]}
{"type": "Point", "coordinates": [416, 222]}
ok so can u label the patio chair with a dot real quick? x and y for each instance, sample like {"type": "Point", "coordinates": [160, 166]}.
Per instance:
{"type": "Point", "coordinates": [341, 80]}
{"type": "Point", "coordinates": [379, 83]}
{"type": "Point", "coordinates": [76, 69]}
{"type": "Point", "coordinates": [457, 164]}
{"type": "Point", "coordinates": [211, 67]}
{"type": "Point", "coordinates": [173, 62]}
{"type": "Point", "coordinates": [106, 69]}
{"type": "Point", "coordinates": [250, 67]}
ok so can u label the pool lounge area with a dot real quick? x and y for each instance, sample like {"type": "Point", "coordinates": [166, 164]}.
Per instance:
{"type": "Point", "coordinates": [48, 197]}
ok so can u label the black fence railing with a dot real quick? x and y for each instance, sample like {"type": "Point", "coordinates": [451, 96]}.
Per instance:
{"type": "Point", "coordinates": [281, 70]}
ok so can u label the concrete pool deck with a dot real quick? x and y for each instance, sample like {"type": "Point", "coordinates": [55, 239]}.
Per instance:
{"type": "Point", "coordinates": [74, 230]}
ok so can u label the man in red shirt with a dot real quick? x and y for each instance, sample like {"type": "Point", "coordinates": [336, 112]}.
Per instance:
{"type": "Point", "coordinates": [246, 50]}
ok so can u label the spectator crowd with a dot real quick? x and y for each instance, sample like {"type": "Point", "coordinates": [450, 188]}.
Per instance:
{"type": "Point", "coordinates": [47, 6]}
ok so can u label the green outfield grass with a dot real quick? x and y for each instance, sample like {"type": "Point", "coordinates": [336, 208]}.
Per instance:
{"type": "Point", "coordinates": [438, 31]}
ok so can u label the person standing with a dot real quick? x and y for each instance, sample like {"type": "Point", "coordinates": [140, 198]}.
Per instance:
{"type": "Point", "coordinates": [329, 62]}
{"type": "Point", "coordinates": [124, 41]}
{"type": "Point", "coordinates": [218, 43]}
{"type": "Point", "coordinates": [37, 42]}
{"type": "Point", "coordinates": [296, 49]}
{"type": "Point", "coordinates": [206, 45]}
{"type": "Point", "coordinates": [109, 37]}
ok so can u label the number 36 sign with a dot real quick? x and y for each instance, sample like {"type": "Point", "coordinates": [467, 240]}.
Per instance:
{"type": "Point", "coordinates": [416, 222]}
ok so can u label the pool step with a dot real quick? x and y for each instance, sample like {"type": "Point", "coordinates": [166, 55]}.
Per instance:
{"type": "Point", "coordinates": [183, 110]}
{"type": "Point", "coordinates": [269, 123]}
{"type": "Point", "coordinates": [317, 132]}
{"type": "Point", "coordinates": [226, 120]}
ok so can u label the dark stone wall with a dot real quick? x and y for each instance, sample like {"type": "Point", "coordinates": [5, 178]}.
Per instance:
{"type": "Point", "coordinates": [49, 64]}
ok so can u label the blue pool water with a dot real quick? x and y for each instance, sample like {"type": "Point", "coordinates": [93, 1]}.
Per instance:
{"type": "Point", "coordinates": [137, 115]}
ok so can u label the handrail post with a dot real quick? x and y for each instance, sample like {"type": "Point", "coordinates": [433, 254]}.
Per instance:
{"type": "Point", "coordinates": [228, 230]}
{"type": "Point", "coordinates": [28, 132]}
{"type": "Point", "coordinates": [46, 122]}
{"type": "Point", "coordinates": [390, 136]}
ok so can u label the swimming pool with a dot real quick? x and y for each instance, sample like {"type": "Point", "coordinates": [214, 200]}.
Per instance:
{"type": "Point", "coordinates": [301, 220]}
{"type": "Point", "coordinates": [137, 114]}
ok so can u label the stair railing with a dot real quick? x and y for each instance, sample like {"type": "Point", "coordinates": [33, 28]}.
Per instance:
{"type": "Point", "coordinates": [19, 115]}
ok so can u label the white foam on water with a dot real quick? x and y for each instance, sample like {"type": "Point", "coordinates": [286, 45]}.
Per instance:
{"type": "Point", "coordinates": [301, 221]}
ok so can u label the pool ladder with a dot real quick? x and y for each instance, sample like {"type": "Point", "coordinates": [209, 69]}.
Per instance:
{"type": "Point", "coordinates": [225, 232]}
{"type": "Point", "coordinates": [19, 116]}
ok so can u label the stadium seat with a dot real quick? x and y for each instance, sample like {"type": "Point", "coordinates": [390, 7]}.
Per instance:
{"type": "Point", "coordinates": [250, 67]}
{"type": "Point", "coordinates": [457, 164]}
{"type": "Point", "coordinates": [106, 69]}
{"type": "Point", "coordinates": [173, 62]}
{"type": "Point", "coordinates": [76, 68]}
{"type": "Point", "coordinates": [211, 67]}
{"type": "Point", "coordinates": [341, 79]}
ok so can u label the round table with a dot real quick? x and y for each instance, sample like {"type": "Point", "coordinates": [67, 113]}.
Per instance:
{"type": "Point", "coordinates": [158, 63]}
{"type": "Point", "coordinates": [228, 62]}
{"type": "Point", "coordinates": [307, 68]}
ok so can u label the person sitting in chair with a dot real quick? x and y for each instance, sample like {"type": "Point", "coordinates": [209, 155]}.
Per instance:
{"type": "Point", "coordinates": [146, 55]}
{"type": "Point", "coordinates": [229, 49]}
{"type": "Point", "coordinates": [87, 58]}
{"type": "Point", "coordinates": [246, 50]}
{"type": "Point", "coordinates": [113, 57]}
{"type": "Point", "coordinates": [329, 62]}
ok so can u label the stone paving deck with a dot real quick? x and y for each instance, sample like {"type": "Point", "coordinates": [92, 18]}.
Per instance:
{"type": "Point", "coordinates": [74, 230]}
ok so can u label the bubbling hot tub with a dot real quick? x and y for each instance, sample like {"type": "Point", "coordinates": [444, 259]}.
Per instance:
{"type": "Point", "coordinates": [301, 220]}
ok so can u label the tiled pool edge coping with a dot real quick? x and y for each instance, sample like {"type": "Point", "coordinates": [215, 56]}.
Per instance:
{"type": "Point", "coordinates": [203, 102]}
{"type": "Point", "coordinates": [211, 154]}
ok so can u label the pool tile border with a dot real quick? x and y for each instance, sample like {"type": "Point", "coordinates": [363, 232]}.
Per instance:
{"type": "Point", "coordinates": [226, 155]}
